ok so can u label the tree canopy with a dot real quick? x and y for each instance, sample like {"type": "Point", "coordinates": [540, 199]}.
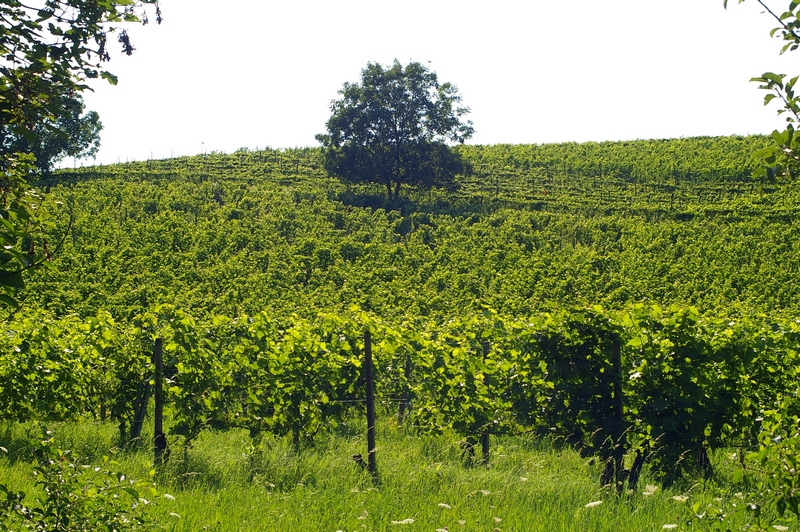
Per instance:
{"type": "Point", "coordinates": [72, 133]}
{"type": "Point", "coordinates": [49, 50]}
{"type": "Point", "coordinates": [396, 127]}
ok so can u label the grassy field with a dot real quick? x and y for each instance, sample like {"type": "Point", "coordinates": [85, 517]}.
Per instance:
{"type": "Point", "coordinates": [224, 484]}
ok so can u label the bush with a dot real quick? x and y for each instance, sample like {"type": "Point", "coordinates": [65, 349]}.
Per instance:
{"type": "Point", "coordinates": [75, 496]}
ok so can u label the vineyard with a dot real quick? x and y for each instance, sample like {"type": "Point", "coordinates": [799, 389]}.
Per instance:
{"type": "Point", "coordinates": [636, 302]}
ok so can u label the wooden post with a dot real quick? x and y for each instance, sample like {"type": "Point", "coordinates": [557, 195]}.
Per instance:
{"type": "Point", "coordinates": [139, 412]}
{"type": "Point", "coordinates": [160, 439]}
{"type": "Point", "coordinates": [371, 462]}
{"type": "Point", "coordinates": [485, 435]}
{"type": "Point", "coordinates": [405, 399]}
{"type": "Point", "coordinates": [618, 382]}
{"type": "Point", "coordinates": [618, 453]}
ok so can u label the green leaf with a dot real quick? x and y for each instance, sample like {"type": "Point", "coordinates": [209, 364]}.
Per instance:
{"type": "Point", "coordinates": [111, 78]}
{"type": "Point", "coordinates": [8, 300]}
{"type": "Point", "coordinates": [29, 135]}
{"type": "Point", "coordinates": [12, 279]}
{"type": "Point", "coordinates": [777, 79]}
{"type": "Point", "coordinates": [781, 506]}
{"type": "Point", "coordinates": [636, 341]}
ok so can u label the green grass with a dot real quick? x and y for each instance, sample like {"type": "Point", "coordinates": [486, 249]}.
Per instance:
{"type": "Point", "coordinates": [222, 484]}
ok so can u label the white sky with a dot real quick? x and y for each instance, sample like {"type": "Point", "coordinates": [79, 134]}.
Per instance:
{"type": "Point", "coordinates": [220, 75]}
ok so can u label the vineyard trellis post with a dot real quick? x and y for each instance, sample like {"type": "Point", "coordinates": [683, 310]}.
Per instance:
{"type": "Point", "coordinates": [485, 435]}
{"type": "Point", "coordinates": [159, 438]}
{"type": "Point", "coordinates": [368, 374]}
{"type": "Point", "coordinates": [140, 410]}
{"type": "Point", "coordinates": [615, 465]}
{"type": "Point", "coordinates": [405, 398]}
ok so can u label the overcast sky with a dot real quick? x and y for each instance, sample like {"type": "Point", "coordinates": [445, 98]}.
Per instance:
{"type": "Point", "coordinates": [220, 75]}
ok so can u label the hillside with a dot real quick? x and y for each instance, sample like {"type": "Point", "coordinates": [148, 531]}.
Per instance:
{"type": "Point", "coordinates": [532, 227]}
{"type": "Point", "coordinates": [645, 319]}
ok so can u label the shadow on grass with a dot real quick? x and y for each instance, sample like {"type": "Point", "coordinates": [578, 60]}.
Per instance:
{"type": "Point", "coordinates": [87, 441]}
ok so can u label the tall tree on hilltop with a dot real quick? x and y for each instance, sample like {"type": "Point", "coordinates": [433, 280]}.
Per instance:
{"type": "Point", "coordinates": [396, 127]}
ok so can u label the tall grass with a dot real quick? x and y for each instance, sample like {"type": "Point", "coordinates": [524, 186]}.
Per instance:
{"type": "Point", "coordinates": [223, 483]}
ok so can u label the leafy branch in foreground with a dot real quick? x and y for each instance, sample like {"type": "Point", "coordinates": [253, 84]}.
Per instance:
{"type": "Point", "coordinates": [76, 496]}
{"type": "Point", "coordinates": [50, 51]}
{"type": "Point", "coordinates": [48, 54]}
{"type": "Point", "coordinates": [783, 156]}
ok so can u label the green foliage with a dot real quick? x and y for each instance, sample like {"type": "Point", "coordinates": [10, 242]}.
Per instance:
{"type": "Point", "coordinates": [668, 166]}
{"type": "Point", "coordinates": [773, 467]}
{"type": "Point", "coordinates": [149, 233]}
{"type": "Point", "coordinates": [782, 157]}
{"type": "Point", "coordinates": [768, 476]}
{"type": "Point", "coordinates": [57, 368]}
{"type": "Point", "coordinates": [18, 223]}
{"type": "Point", "coordinates": [392, 129]}
{"type": "Point", "coordinates": [48, 53]}
{"type": "Point", "coordinates": [677, 388]}
{"type": "Point", "coordinates": [461, 376]}
{"type": "Point", "coordinates": [74, 496]}
{"type": "Point", "coordinates": [683, 385]}
{"type": "Point", "coordinates": [261, 276]}
{"type": "Point", "coordinates": [250, 372]}
{"type": "Point", "coordinates": [577, 350]}
{"type": "Point", "coordinates": [70, 134]}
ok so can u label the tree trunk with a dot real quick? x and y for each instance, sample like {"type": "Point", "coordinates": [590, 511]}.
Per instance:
{"type": "Point", "coordinates": [389, 190]}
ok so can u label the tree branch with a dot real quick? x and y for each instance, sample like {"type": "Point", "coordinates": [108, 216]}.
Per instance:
{"type": "Point", "coordinates": [780, 21]}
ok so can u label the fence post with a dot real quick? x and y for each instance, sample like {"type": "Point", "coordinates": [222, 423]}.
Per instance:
{"type": "Point", "coordinates": [159, 439]}
{"type": "Point", "coordinates": [618, 382]}
{"type": "Point", "coordinates": [371, 462]}
{"type": "Point", "coordinates": [618, 452]}
{"type": "Point", "coordinates": [405, 399]}
{"type": "Point", "coordinates": [485, 435]}
{"type": "Point", "coordinates": [139, 413]}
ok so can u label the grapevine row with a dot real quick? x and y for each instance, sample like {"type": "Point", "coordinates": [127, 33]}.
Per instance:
{"type": "Point", "coordinates": [688, 384]}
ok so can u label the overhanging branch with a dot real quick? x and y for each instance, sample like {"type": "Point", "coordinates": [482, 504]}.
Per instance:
{"type": "Point", "coordinates": [780, 21]}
